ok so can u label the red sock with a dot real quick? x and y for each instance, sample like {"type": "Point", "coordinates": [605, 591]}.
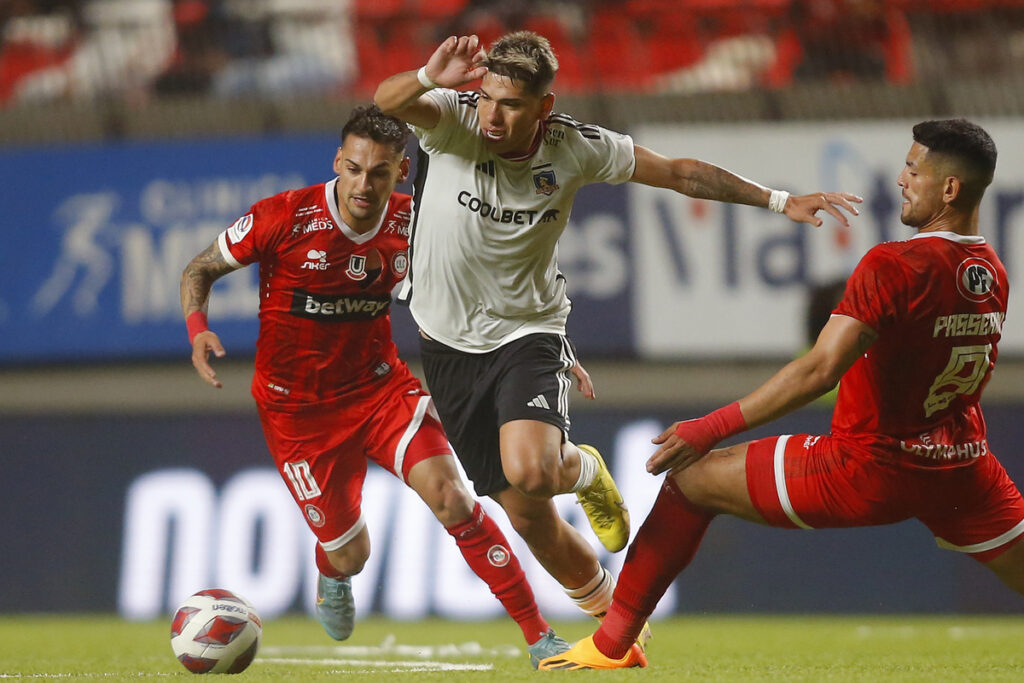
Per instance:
{"type": "Point", "coordinates": [663, 547]}
{"type": "Point", "coordinates": [324, 564]}
{"type": "Point", "coordinates": [489, 556]}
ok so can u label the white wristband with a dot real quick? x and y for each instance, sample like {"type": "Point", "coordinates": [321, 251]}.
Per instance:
{"type": "Point", "coordinates": [777, 201]}
{"type": "Point", "coordinates": [424, 79]}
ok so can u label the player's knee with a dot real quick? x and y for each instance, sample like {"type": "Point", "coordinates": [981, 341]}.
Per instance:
{"type": "Point", "coordinates": [532, 481]}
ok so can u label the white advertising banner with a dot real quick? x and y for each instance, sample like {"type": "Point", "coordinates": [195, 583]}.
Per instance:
{"type": "Point", "coordinates": [719, 280]}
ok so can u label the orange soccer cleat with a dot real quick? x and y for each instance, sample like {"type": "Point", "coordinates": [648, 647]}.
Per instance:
{"type": "Point", "coordinates": [585, 655]}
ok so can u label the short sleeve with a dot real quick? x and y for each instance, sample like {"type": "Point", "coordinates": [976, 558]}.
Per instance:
{"type": "Point", "coordinates": [604, 155]}
{"type": "Point", "coordinates": [876, 292]}
{"type": "Point", "coordinates": [249, 237]}
{"type": "Point", "coordinates": [456, 117]}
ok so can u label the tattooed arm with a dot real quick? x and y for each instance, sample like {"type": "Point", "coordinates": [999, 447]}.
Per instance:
{"type": "Point", "coordinates": [196, 281]}
{"type": "Point", "coordinates": [702, 180]}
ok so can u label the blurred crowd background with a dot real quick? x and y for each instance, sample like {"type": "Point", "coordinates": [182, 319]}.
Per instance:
{"type": "Point", "coordinates": [136, 51]}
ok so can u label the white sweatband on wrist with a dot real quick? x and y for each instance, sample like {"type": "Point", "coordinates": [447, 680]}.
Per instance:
{"type": "Point", "coordinates": [777, 201]}
{"type": "Point", "coordinates": [424, 79]}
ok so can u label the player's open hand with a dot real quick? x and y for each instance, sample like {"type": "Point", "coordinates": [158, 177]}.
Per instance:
{"type": "Point", "coordinates": [202, 345]}
{"type": "Point", "coordinates": [456, 62]}
{"type": "Point", "coordinates": [583, 382]}
{"type": "Point", "coordinates": [804, 208]}
{"type": "Point", "coordinates": [673, 455]}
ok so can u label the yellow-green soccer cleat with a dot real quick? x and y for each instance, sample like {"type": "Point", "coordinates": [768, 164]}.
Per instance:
{"type": "Point", "coordinates": [585, 655]}
{"type": "Point", "coordinates": [603, 504]}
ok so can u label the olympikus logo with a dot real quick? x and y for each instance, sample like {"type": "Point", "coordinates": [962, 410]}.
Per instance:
{"type": "Point", "coordinates": [334, 308]}
{"type": "Point", "coordinates": [539, 401]}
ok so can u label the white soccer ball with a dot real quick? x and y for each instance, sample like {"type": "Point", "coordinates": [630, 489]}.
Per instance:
{"type": "Point", "coordinates": [216, 632]}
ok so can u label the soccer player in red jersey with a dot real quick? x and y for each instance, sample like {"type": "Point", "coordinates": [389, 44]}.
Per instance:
{"type": "Point", "coordinates": [330, 389]}
{"type": "Point", "coordinates": [914, 340]}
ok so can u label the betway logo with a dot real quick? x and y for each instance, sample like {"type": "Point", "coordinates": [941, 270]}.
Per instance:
{"type": "Point", "coordinates": [338, 309]}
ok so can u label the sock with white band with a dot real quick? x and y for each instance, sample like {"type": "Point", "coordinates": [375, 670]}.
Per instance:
{"type": "Point", "coordinates": [595, 596]}
{"type": "Point", "coordinates": [588, 470]}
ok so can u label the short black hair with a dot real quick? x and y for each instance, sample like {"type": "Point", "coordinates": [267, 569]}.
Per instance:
{"type": "Point", "coordinates": [966, 144]}
{"type": "Point", "coordinates": [370, 122]}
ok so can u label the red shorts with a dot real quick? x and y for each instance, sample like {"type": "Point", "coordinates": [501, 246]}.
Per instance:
{"type": "Point", "coordinates": [322, 453]}
{"type": "Point", "coordinates": [830, 482]}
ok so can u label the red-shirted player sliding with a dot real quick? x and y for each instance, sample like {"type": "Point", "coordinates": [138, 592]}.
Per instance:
{"type": "Point", "coordinates": [914, 341]}
{"type": "Point", "coordinates": [329, 386]}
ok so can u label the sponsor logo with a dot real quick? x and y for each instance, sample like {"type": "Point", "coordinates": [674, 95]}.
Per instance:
{"type": "Point", "coordinates": [315, 515]}
{"type": "Point", "coordinates": [314, 225]}
{"type": "Point", "coordinates": [975, 278]}
{"type": "Point", "coordinates": [240, 228]}
{"type": "Point", "coordinates": [317, 260]}
{"type": "Point", "coordinates": [548, 216]}
{"type": "Point", "coordinates": [338, 308]}
{"type": "Point", "coordinates": [222, 607]}
{"type": "Point", "coordinates": [498, 555]}
{"type": "Point", "coordinates": [545, 182]}
{"type": "Point", "coordinates": [553, 136]}
{"type": "Point", "coordinates": [496, 213]}
{"type": "Point", "coordinates": [397, 226]}
{"type": "Point", "coordinates": [947, 451]}
{"type": "Point", "coordinates": [486, 167]}
{"type": "Point", "coordinates": [539, 401]}
{"type": "Point", "coordinates": [400, 263]}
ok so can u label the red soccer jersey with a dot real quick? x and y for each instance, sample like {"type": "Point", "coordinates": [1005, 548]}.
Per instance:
{"type": "Point", "coordinates": [937, 301]}
{"type": "Point", "coordinates": [325, 294]}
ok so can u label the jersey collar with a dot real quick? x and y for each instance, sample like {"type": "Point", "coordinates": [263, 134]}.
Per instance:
{"type": "Point", "coordinates": [952, 237]}
{"type": "Point", "coordinates": [534, 146]}
{"type": "Point", "coordinates": [332, 205]}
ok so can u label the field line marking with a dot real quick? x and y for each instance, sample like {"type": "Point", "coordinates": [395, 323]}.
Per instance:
{"type": "Point", "coordinates": [419, 666]}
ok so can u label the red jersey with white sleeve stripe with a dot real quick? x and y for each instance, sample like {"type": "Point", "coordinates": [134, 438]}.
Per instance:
{"type": "Point", "coordinates": [937, 302]}
{"type": "Point", "coordinates": [325, 295]}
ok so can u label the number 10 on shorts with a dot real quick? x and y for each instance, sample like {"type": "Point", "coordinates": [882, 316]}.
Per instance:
{"type": "Point", "coordinates": [301, 477]}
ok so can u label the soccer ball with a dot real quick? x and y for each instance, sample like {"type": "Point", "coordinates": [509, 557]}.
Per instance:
{"type": "Point", "coordinates": [216, 631]}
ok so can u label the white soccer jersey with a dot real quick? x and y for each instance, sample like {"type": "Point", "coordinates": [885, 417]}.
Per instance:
{"type": "Point", "coordinates": [484, 245]}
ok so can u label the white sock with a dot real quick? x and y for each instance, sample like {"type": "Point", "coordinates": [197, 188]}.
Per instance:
{"type": "Point", "coordinates": [588, 470]}
{"type": "Point", "coordinates": [595, 596]}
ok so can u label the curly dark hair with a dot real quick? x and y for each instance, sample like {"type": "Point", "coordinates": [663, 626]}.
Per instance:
{"type": "Point", "coordinates": [370, 122]}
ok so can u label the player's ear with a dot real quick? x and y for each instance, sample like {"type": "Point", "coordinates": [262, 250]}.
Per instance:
{"type": "Point", "coordinates": [337, 162]}
{"type": "Point", "coordinates": [403, 169]}
{"type": "Point", "coordinates": [951, 189]}
{"type": "Point", "coordinates": [546, 105]}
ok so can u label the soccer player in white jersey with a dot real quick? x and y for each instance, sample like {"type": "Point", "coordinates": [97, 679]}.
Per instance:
{"type": "Point", "coordinates": [493, 195]}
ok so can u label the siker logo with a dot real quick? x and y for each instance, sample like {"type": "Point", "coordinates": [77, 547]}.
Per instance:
{"type": "Point", "coordinates": [338, 308]}
{"type": "Point", "coordinates": [975, 279]}
{"type": "Point", "coordinates": [317, 260]}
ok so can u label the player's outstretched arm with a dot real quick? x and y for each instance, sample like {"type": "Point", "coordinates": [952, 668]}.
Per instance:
{"type": "Point", "coordinates": [196, 282]}
{"type": "Point", "coordinates": [455, 62]}
{"type": "Point", "coordinates": [702, 180]}
{"type": "Point", "coordinates": [842, 341]}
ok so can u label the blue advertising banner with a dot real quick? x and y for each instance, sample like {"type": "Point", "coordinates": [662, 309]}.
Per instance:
{"type": "Point", "coordinates": [154, 508]}
{"type": "Point", "coordinates": [95, 239]}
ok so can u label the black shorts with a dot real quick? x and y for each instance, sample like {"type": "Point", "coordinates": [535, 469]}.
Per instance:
{"type": "Point", "coordinates": [476, 393]}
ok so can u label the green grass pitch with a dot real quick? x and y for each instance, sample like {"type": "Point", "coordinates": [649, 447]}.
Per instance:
{"type": "Point", "coordinates": [699, 648]}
